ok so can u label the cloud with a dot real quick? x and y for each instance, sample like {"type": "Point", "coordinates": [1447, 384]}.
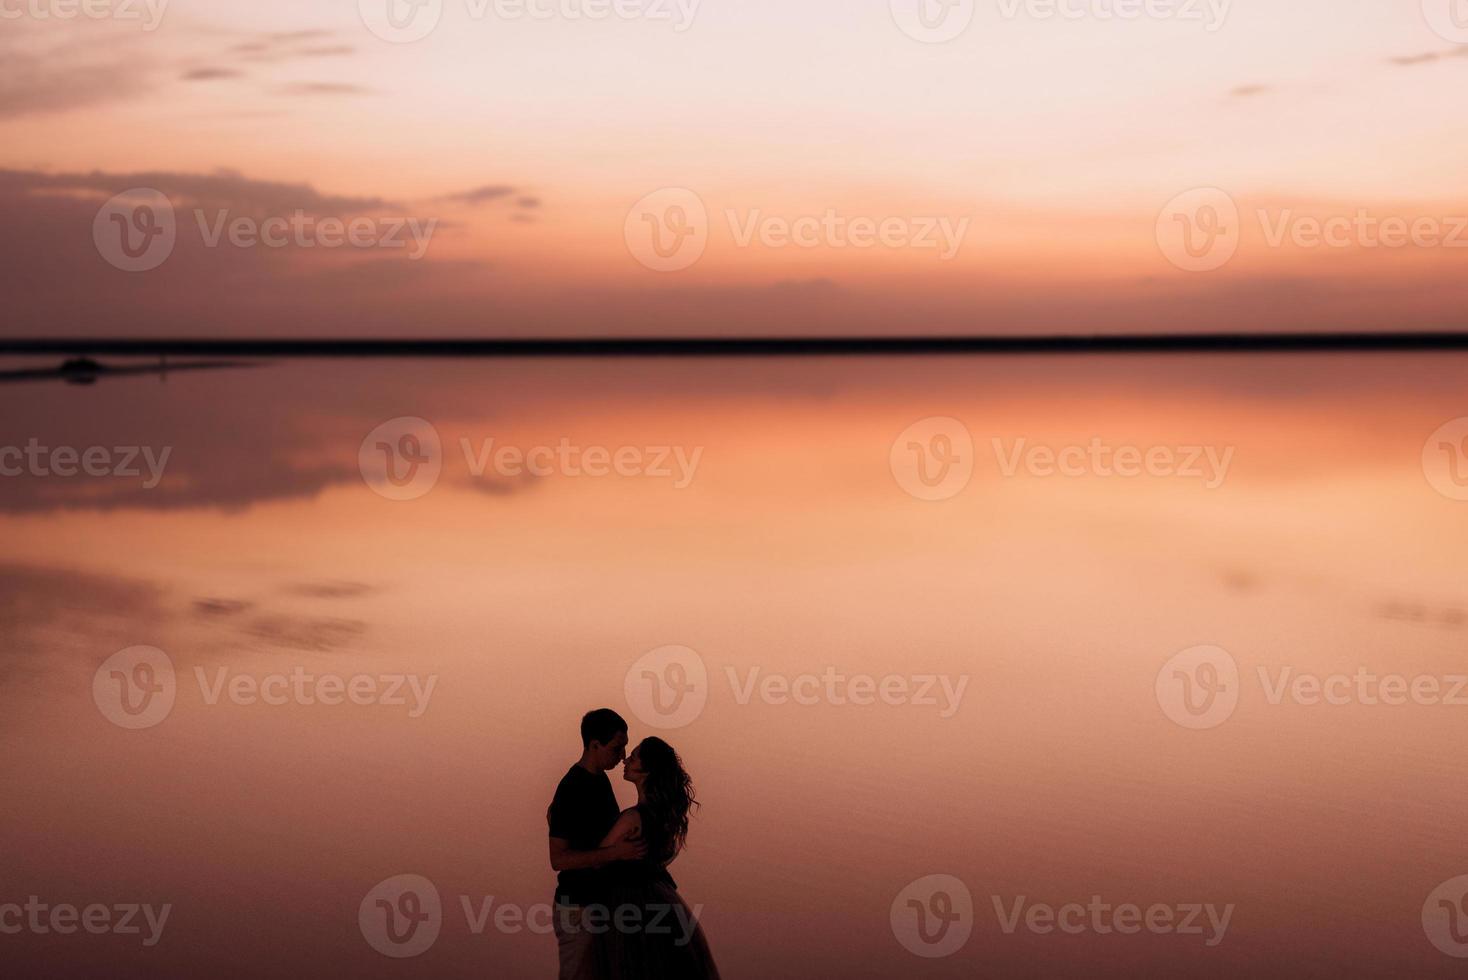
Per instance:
{"type": "Point", "coordinates": [1427, 57]}
{"type": "Point", "coordinates": [317, 634]}
{"type": "Point", "coordinates": [327, 51]}
{"type": "Point", "coordinates": [323, 88]}
{"type": "Point", "coordinates": [210, 74]}
{"type": "Point", "coordinates": [481, 195]}
{"type": "Point", "coordinates": [224, 188]}
{"type": "Point", "coordinates": [276, 49]}
{"type": "Point", "coordinates": [1250, 91]}
{"type": "Point", "coordinates": [66, 77]}
{"type": "Point", "coordinates": [46, 609]}
{"type": "Point", "coordinates": [330, 589]}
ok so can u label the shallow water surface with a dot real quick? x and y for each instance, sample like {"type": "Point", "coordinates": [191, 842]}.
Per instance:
{"type": "Point", "coordinates": [880, 672]}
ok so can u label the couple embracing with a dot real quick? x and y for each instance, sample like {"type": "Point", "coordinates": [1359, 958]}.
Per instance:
{"type": "Point", "coordinates": [618, 913]}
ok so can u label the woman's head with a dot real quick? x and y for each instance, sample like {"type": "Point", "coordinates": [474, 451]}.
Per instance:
{"type": "Point", "coordinates": [666, 790]}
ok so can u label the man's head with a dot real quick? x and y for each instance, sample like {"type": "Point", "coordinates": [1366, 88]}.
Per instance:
{"type": "Point", "coordinates": [603, 738]}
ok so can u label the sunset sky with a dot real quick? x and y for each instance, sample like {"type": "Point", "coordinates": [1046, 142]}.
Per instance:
{"type": "Point", "coordinates": [1053, 143]}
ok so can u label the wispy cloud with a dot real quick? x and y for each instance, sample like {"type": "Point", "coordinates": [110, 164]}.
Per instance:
{"type": "Point", "coordinates": [1427, 57]}
{"type": "Point", "coordinates": [481, 195]}
{"type": "Point", "coordinates": [210, 74]}
{"type": "Point", "coordinates": [307, 89]}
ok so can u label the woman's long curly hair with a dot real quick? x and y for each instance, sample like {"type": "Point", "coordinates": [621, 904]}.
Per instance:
{"type": "Point", "coordinates": [667, 798]}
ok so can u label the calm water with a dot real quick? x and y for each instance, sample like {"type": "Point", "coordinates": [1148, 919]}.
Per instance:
{"type": "Point", "coordinates": [762, 520]}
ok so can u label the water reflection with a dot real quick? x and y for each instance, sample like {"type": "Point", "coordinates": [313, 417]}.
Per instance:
{"type": "Point", "coordinates": [527, 586]}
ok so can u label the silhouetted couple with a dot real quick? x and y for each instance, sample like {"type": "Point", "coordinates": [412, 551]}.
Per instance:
{"type": "Point", "coordinates": [618, 912]}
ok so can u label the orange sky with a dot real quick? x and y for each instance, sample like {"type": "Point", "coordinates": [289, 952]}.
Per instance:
{"type": "Point", "coordinates": [1047, 147]}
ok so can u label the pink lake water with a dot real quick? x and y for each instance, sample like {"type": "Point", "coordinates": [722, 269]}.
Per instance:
{"type": "Point", "coordinates": [1326, 547]}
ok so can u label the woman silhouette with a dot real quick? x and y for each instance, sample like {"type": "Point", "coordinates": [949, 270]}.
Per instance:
{"type": "Point", "coordinates": [652, 933]}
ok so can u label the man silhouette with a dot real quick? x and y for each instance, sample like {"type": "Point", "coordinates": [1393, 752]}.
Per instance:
{"type": "Point", "coordinates": [583, 811]}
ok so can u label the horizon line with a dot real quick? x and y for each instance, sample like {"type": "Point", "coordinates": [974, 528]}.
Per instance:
{"type": "Point", "coordinates": [747, 346]}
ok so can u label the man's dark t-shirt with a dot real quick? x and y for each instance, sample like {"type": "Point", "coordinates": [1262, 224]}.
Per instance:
{"type": "Point", "coordinates": [584, 809]}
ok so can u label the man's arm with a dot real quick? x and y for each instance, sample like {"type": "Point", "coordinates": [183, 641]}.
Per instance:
{"type": "Point", "coordinates": [563, 857]}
